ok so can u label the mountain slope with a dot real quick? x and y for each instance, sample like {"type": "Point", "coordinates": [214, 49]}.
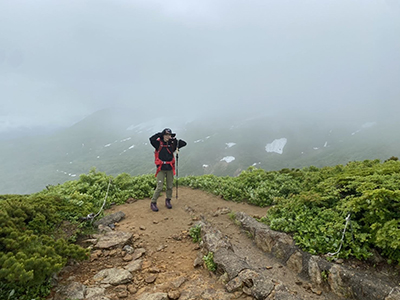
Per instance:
{"type": "Point", "coordinates": [116, 141]}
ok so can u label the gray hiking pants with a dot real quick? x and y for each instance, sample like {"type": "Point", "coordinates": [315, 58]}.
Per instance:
{"type": "Point", "coordinates": [161, 176]}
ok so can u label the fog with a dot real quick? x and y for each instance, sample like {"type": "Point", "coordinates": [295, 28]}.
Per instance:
{"type": "Point", "coordinates": [62, 60]}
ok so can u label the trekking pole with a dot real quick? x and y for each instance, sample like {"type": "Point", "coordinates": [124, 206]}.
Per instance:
{"type": "Point", "coordinates": [177, 177]}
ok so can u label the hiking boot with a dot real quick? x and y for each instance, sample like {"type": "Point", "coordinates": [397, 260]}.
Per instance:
{"type": "Point", "coordinates": [168, 203]}
{"type": "Point", "coordinates": [153, 206]}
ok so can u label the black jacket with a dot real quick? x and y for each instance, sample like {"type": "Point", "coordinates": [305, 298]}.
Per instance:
{"type": "Point", "coordinates": [166, 153]}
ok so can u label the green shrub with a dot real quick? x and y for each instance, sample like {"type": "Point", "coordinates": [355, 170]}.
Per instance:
{"type": "Point", "coordinates": [312, 204]}
{"type": "Point", "coordinates": [209, 262]}
{"type": "Point", "coordinates": [195, 233]}
{"type": "Point", "coordinates": [29, 255]}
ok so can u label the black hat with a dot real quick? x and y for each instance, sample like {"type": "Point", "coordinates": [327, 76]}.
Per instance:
{"type": "Point", "coordinates": [168, 131]}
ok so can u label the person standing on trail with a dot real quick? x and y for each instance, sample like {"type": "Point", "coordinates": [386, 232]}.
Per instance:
{"type": "Point", "coordinates": [165, 145]}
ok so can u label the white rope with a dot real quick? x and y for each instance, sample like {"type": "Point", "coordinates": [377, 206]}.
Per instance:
{"type": "Point", "coordinates": [104, 202]}
{"type": "Point", "coordinates": [341, 242]}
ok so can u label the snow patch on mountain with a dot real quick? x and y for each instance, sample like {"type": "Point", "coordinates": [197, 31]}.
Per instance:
{"type": "Point", "coordinates": [276, 146]}
{"type": "Point", "coordinates": [364, 126]}
{"type": "Point", "coordinates": [201, 140]}
{"type": "Point", "coordinates": [127, 139]}
{"type": "Point", "coordinates": [229, 145]}
{"type": "Point", "coordinates": [228, 159]}
{"type": "Point", "coordinates": [66, 173]}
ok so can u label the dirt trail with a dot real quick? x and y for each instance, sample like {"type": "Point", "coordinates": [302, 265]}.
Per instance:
{"type": "Point", "coordinates": [170, 253]}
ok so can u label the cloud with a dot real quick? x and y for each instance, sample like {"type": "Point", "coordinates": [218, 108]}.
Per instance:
{"type": "Point", "coordinates": [60, 61]}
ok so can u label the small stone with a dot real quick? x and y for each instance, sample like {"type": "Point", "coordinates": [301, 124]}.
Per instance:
{"type": "Point", "coordinates": [154, 270]}
{"type": "Point", "coordinates": [268, 267]}
{"type": "Point", "coordinates": [141, 227]}
{"type": "Point", "coordinates": [247, 290]}
{"type": "Point", "coordinates": [123, 294]}
{"type": "Point", "coordinates": [127, 257]}
{"type": "Point", "coordinates": [150, 279]}
{"type": "Point", "coordinates": [174, 295]}
{"type": "Point", "coordinates": [138, 253]}
{"type": "Point", "coordinates": [177, 237]}
{"type": "Point", "coordinates": [146, 264]}
{"type": "Point", "coordinates": [161, 247]}
{"type": "Point", "coordinates": [120, 288]}
{"type": "Point", "coordinates": [224, 278]}
{"type": "Point", "coordinates": [339, 261]}
{"type": "Point", "coordinates": [132, 289]}
{"type": "Point", "coordinates": [128, 249]}
{"type": "Point", "coordinates": [315, 291]}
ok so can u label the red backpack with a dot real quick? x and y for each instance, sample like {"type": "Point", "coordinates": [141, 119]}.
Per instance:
{"type": "Point", "coordinates": [159, 162]}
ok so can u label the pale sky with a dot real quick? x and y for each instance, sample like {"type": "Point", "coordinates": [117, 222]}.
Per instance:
{"type": "Point", "coordinates": [62, 60]}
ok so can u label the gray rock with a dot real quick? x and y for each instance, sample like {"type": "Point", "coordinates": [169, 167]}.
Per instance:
{"type": "Point", "coordinates": [113, 276]}
{"type": "Point", "coordinates": [342, 281]}
{"type": "Point", "coordinates": [179, 281]}
{"type": "Point", "coordinates": [104, 228]}
{"type": "Point", "coordinates": [138, 253]}
{"type": "Point", "coordinates": [234, 285]}
{"type": "Point", "coordinates": [198, 262]}
{"type": "Point", "coordinates": [213, 239]}
{"type": "Point", "coordinates": [228, 262]}
{"type": "Point", "coordinates": [211, 294]}
{"type": "Point", "coordinates": [262, 288]}
{"type": "Point", "coordinates": [155, 296]}
{"type": "Point", "coordinates": [134, 266]}
{"type": "Point", "coordinates": [394, 294]}
{"type": "Point", "coordinates": [128, 249]}
{"type": "Point", "coordinates": [74, 290]}
{"type": "Point", "coordinates": [279, 244]}
{"type": "Point", "coordinates": [110, 219]}
{"type": "Point", "coordinates": [365, 287]}
{"type": "Point", "coordinates": [94, 292]}
{"type": "Point", "coordinates": [314, 271]}
{"type": "Point", "coordinates": [98, 297]}
{"type": "Point", "coordinates": [295, 262]}
{"type": "Point", "coordinates": [113, 239]}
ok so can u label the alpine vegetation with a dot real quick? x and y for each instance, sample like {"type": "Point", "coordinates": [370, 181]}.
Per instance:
{"type": "Point", "coordinates": [342, 211]}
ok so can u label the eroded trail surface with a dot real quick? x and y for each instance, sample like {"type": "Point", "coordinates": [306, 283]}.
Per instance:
{"type": "Point", "coordinates": [167, 262]}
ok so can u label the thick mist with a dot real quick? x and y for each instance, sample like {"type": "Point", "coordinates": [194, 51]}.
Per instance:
{"type": "Point", "coordinates": [61, 61]}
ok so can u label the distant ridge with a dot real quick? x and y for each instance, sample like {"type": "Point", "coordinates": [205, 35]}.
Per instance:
{"type": "Point", "coordinates": [116, 141]}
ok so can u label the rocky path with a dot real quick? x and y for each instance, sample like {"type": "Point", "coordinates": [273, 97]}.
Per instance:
{"type": "Point", "coordinates": [150, 256]}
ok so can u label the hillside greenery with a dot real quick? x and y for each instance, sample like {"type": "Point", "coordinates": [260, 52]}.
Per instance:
{"type": "Point", "coordinates": [346, 211]}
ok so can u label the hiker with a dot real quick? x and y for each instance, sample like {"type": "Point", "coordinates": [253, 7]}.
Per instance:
{"type": "Point", "coordinates": [165, 145]}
